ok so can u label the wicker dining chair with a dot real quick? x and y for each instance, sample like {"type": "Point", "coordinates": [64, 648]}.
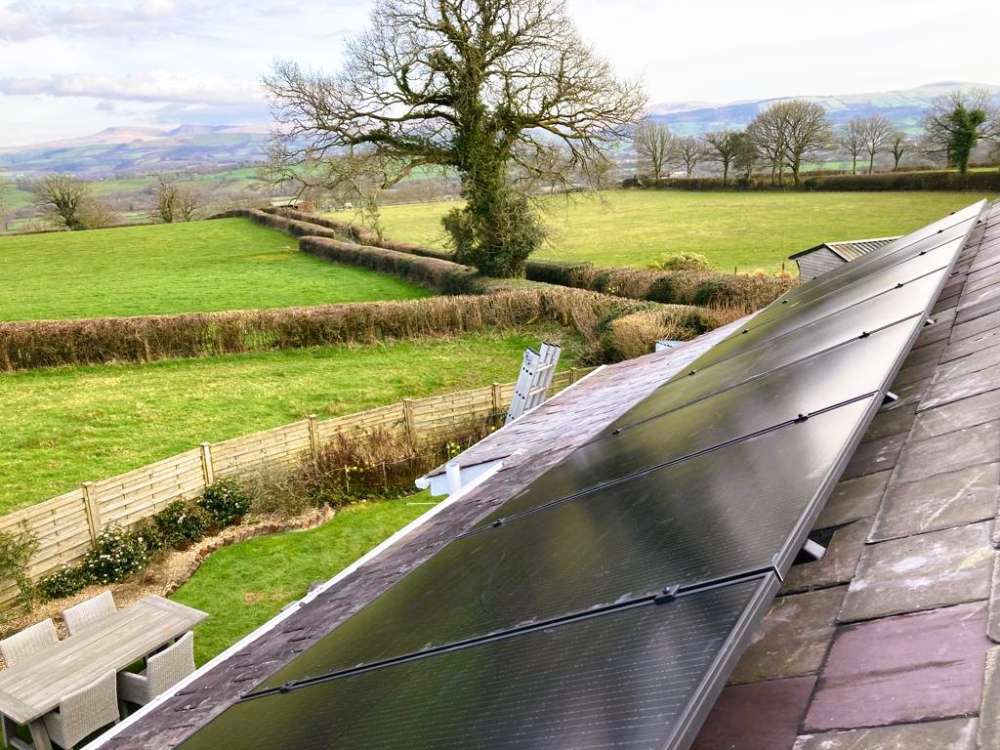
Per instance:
{"type": "Point", "coordinates": [18, 648]}
{"type": "Point", "coordinates": [89, 612]}
{"type": "Point", "coordinates": [84, 712]}
{"type": "Point", "coordinates": [163, 671]}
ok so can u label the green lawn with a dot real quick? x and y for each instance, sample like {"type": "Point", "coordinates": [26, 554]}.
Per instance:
{"type": "Point", "coordinates": [171, 268]}
{"type": "Point", "coordinates": [245, 585]}
{"type": "Point", "coordinates": [63, 426]}
{"type": "Point", "coordinates": [741, 230]}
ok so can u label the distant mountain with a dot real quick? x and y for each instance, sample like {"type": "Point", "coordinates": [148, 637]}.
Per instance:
{"type": "Point", "coordinates": [128, 150]}
{"type": "Point", "coordinates": [905, 108]}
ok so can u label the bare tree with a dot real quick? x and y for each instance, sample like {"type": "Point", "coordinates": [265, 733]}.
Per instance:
{"type": "Point", "coordinates": [876, 134]}
{"type": "Point", "coordinates": [807, 131]}
{"type": "Point", "coordinates": [746, 157]}
{"type": "Point", "coordinates": [63, 198]}
{"type": "Point", "coordinates": [175, 202]}
{"type": "Point", "coordinates": [899, 144]}
{"type": "Point", "coordinates": [724, 146]}
{"type": "Point", "coordinates": [851, 138]}
{"type": "Point", "coordinates": [653, 145]}
{"type": "Point", "coordinates": [768, 134]}
{"type": "Point", "coordinates": [688, 152]}
{"type": "Point", "coordinates": [474, 85]}
{"type": "Point", "coordinates": [957, 122]}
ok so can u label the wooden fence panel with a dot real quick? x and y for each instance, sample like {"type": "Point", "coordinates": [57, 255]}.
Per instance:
{"type": "Point", "coordinates": [390, 418]}
{"type": "Point", "coordinates": [280, 446]}
{"type": "Point", "coordinates": [128, 498]}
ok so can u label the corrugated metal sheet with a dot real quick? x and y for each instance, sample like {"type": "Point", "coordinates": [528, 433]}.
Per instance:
{"type": "Point", "coordinates": [828, 255]}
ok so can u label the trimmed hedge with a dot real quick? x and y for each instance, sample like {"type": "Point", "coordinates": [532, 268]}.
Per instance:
{"type": "Point", "coordinates": [930, 179]}
{"type": "Point", "coordinates": [974, 181]}
{"type": "Point", "coordinates": [441, 275]}
{"type": "Point", "coordinates": [741, 292]}
{"type": "Point", "coordinates": [30, 344]}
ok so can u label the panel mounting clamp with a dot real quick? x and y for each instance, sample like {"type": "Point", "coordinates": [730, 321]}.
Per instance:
{"type": "Point", "coordinates": [667, 595]}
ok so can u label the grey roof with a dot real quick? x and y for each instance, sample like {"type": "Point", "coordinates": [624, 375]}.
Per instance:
{"type": "Point", "coordinates": [847, 250]}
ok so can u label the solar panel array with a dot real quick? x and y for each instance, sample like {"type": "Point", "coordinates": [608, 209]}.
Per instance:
{"type": "Point", "coordinates": [605, 605]}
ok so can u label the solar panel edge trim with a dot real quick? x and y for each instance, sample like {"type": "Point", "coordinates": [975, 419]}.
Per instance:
{"type": "Point", "coordinates": [714, 681]}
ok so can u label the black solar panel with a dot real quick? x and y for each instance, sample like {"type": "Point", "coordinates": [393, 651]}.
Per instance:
{"type": "Point", "coordinates": [541, 627]}
{"type": "Point", "coordinates": [630, 678]}
{"type": "Point", "coordinates": [861, 367]}
{"type": "Point", "coordinates": [619, 543]}
{"type": "Point", "coordinates": [892, 283]}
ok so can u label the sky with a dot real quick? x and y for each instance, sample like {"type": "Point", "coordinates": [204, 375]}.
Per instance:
{"type": "Point", "coordinates": [70, 69]}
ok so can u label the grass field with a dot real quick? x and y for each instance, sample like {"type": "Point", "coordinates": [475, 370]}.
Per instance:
{"type": "Point", "coordinates": [741, 230]}
{"type": "Point", "coordinates": [63, 426]}
{"type": "Point", "coordinates": [171, 268]}
{"type": "Point", "coordinates": [244, 585]}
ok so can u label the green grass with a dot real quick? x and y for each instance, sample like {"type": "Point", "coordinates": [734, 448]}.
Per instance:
{"type": "Point", "coordinates": [742, 230]}
{"type": "Point", "coordinates": [63, 426]}
{"type": "Point", "coordinates": [173, 268]}
{"type": "Point", "coordinates": [244, 585]}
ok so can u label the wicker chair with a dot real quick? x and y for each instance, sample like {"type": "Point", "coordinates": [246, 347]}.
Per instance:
{"type": "Point", "coordinates": [18, 648]}
{"type": "Point", "coordinates": [84, 712]}
{"type": "Point", "coordinates": [163, 671]}
{"type": "Point", "coordinates": [87, 613]}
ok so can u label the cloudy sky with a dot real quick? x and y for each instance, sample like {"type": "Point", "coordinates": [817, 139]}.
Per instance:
{"type": "Point", "coordinates": [72, 68]}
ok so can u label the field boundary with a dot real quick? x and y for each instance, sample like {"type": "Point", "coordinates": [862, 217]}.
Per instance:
{"type": "Point", "coordinates": [67, 525]}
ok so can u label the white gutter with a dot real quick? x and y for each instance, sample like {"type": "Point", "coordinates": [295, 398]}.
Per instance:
{"type": "Point", "coordinates": [291, 609]}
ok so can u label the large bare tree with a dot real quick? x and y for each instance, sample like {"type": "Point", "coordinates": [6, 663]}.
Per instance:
{"type": "Point", "coordinates": [653, 145]}
{"type": "Point", "coordinates": [478, 86]}
{"type": "Point", "coordinates": [958, 121]}
{"type": "Point", "coordinates": [64, 199]}
{"type": "Point", "coordinates": [688, 152]}
{"type": "Point", "coordinates": [723, 146]}
{"type": "Point", "coordinates": [790, 132]}
{"type": "Point", "coordinates": [175, 202]}
{"type": "Point", "coordinates": [852, 139]}
{"type": "Point", "coordinates": [876, 134]}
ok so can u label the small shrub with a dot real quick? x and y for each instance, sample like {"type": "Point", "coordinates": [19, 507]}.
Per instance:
{"type": "Point", "coordinates": [181, 524]}
{"type": "Point", "coordinates": [225, 502]}
{"type": "Point", "coordinates": [682, 262]}
{"type": "Point", "coordinates": [115, 556]}
{"type": "Point", "coordinates": [16, 550]}
{"type": "Point", "coordinates": [150, 535]}
{"type": "Point", "coordinates": [66, 581]}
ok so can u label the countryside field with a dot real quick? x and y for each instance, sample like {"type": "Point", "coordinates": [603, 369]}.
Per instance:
{"type": "Point", "coordinates": [63, 426]}
{"type": "Point", "coordinates": [201, 266]}
{"type": "Point", "coordinates": [745, 231]}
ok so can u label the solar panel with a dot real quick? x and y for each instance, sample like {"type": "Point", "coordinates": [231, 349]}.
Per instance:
{"type": "Point", "coordinates": [611, 545]}
{"type": "Point", "coordinates": [633, 677]}
{"type": "Point", "coordinates": [956, 226]}
{"type": "Point", "coordinates": [655, 432]}
{"type": "Point", "coordinates": [891, 282]}
{"type": "Point", "coordinates": [541, 626]}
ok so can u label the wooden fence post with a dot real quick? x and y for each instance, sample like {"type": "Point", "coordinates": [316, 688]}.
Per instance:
{"type": "Point", "coordinates": [93, 511]}
{"type": "Point", "coordinates": [497, 397]}
{"type": "Point", "coordinates": [574, 374]}
{"type": "Point", "coordinates": [207, 469]}
{"type": "Point", "coordinates": [410, 420]}
{"type": "Point", "coordinates": [313, 436]}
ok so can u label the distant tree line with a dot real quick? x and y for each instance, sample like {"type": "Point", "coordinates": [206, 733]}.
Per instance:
{"type": "Point", "coordinates": [788, 135]}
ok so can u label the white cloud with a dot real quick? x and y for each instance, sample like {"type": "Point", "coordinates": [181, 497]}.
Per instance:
{"type": "Point", "coordinates": [145, 87]}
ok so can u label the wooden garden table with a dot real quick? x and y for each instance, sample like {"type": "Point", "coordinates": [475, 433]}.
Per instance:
{"type": "Point", "coordinates": [29, 691]}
